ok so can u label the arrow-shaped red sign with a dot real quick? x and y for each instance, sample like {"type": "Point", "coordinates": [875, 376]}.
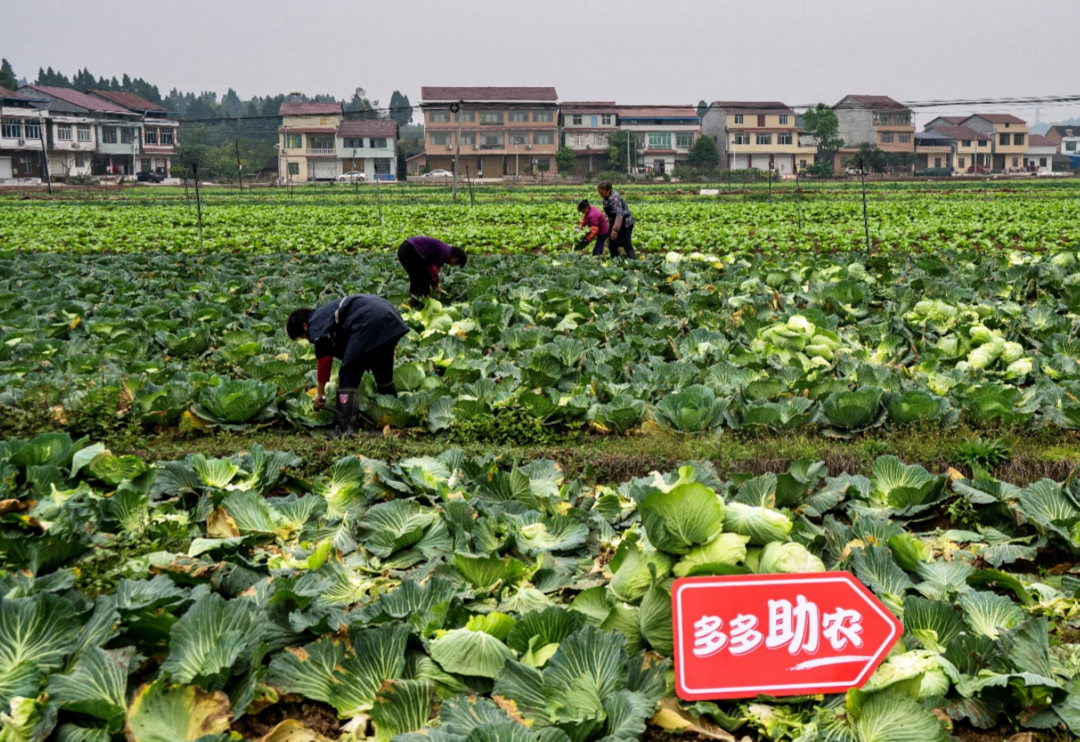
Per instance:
{"type": "Point", "coordinates": [777, 635]}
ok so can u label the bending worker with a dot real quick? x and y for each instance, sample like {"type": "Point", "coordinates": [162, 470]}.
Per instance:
{"type": "Point", "coordinates": [622, 221]}
{"type": "Point", "coordinates": [362, 331]}
{"type": "Point", "coordinates": [597, 223]}
{"type": "Point", "coordinates": [422, 257]}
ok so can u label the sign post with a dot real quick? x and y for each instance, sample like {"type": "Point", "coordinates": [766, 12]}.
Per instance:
{"type": "Point", "coordinates": [777, 635]}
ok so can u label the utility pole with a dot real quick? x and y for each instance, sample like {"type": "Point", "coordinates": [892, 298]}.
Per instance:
{"type": "Point", "coordinates": [866, 219]}
{"type": "Point", "coordinates": [44, 154]}
{"type": "Point", "coordinates": [455, 108]}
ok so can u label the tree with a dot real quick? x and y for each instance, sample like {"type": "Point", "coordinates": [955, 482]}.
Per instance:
{"type": "Point", "coordinates": [702, 108]}
{"type": "Point", "coordinates": [565, 158]}
{"type": "Point", "coordinates": [617, 151]}
{"type": "Point", "coordinates": [704, 155]}
{"type": "Point", "coordinates": [869, 158]}
{"type": "Point", "coordinates": [400, 109]}
{"type": "Point", "coordinates": [361, 106]}
{"type": "Point", "coordinates": [822, 124]}
{"type": "Point", "coordinates": [7, 75]}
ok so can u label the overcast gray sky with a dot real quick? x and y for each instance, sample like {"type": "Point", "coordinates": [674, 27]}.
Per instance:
{"type": "Point", "coordinates": [631, 51]}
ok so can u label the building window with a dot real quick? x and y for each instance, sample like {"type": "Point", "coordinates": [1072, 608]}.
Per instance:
{"type": "Point", "coordinates": [439, 117]}
{"type": "Point", "coordinates": [80, 161]}
{"type": "Point", "coordinates": [1042, 162]}
{"type": "Point", "coordinates": [606, 119]}
{"type": "Point", "coordinates": [783, 119]}
{"type": "Point", "coordinates": [321, 143]}
{"type": "Point", "coordinates": [378, 143]}
{"type": "Point", "coordinates": [883, 119]}
{"type": "Point", "coordinates": [294, 141]}
{"type": "Point", "coordinates": [354, 143]}
{"type": "Point", "coordinates": [984, 143]}
{"type": "Point", "coordinates": [127, 135]}
{"type": "Point", "coordinates": [901, 119]}
{"type": "Point", "coordinates": [684, 139]}
{"type": "Point", "coordinates": [1003, 140]}
{"type": "Point", "coordinates": [905, 137]}
{"type": "Point", "coordinates": [491, 141]}
{"type": "Point", "coordinates": [764, 138]}
{"type": "Point", "coordinates": [802, 164]}
{"type": "Point", "coordinates": [886, 137]}
{"type": "Point", "coordinates": [742, 139]}
{"type": "Point", "coordinates": [294, 168]}
{"type": "Point", "coordinates": [543, 116]}
{"type": "Point", "coordinates": [11, 128]}
{"type": "Point", "coordinates": [468, 137]}
{"type": "Point", "coordinates": [167, 136]}
{"type": "Point", "coordinates": [961, 162]}
{"type": "Point", "coordinates": [151, 136]}
{"type": "Point", "coordinates": [599, 140]}
{"type": "Point", "coordinates": [966, 142]}
{"type": "Point", "coordinates": [518, 117]}
{"type": "Point", "coordinates": [440, 139]}
{"type": "Point", "coordinates": [63, 132]}
{"type": "Point", "coordinates": [491, 117]}
{"type": "Point", "coordinates": [761, 120]}
{"type": "Point", "coordinates": [783, 138]}
{"type": "Point", "coordinates": [519, 139]}
{"type": "Point", "coordinates": [544, 137]}
{"type": "Point", "coordinates": [108, 135]}
{"type": "Point", "coordinates": [32, 130]}
{"type": "Point", "coordinates": [1018, 140]}
{"type": "Point", "coordinates": [543, 164]}
{"type": "Point", "coordinates": [1016, 162]}
{"type": "Point", "coordinates": [738, 118]}
{"type": "Point", "coordinates": [575, 120]}
{"type": "Point", "coordinates": [659, 140]}
{"type": "Point", "coordinates": [1070, 146]}
{"type": "Point", "coordinates": [465, 116]}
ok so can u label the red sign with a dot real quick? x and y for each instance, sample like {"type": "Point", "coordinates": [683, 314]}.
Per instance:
{"type": "Point", "coordinates": [777, 635]}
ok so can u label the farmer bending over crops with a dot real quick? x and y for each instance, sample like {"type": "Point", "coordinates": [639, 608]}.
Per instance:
{"type": "Point", "coordinates": [622, 221]}
{"type": "Point", "coordinates": [597, 223]}
{"type": "Point", "coordinates": [362, 331]}
{"type": "Point", "coordinates": [422, 257]}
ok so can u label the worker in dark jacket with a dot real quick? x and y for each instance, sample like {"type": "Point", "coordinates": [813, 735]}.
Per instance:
{"type": "Point", "coordinates": [622, 221]}
{"type": "Point", "coordinates": [422, 258]}
{"type": "Point", "coordinates": [360, 330]}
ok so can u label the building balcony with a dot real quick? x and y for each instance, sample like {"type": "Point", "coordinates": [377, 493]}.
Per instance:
{"type": "Point", "coordinates": [320, 152]}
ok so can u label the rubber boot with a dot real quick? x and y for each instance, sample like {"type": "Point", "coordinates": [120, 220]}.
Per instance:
{"type": "Point", "coordinates": [347, 408]}
{"type": "Point", "coordinates": [390, 389]}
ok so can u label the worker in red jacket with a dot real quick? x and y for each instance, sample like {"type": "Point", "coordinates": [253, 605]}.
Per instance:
{"type": "Point", "coordinates": [422, 258]}
{"type": "Point", "coordinates": [597, 224]}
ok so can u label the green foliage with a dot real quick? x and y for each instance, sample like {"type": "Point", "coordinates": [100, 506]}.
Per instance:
{"type": "Point", "coordinates": [987, 453]}
{"type": "Point", "coordinates": [620, 147]}
{"type": "Point", "coordinates": [704, 154]}
{"type": "Point", "coordinates": [565, 159]}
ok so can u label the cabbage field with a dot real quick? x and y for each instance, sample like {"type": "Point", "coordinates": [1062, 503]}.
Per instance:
{"type": "Point", "coordinates": [185, 557]}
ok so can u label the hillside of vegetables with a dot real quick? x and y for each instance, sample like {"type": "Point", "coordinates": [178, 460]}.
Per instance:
{"type": "Point", "coordinates": [185, 556]}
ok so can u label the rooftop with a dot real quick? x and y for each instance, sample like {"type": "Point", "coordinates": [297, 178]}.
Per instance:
{"type": "Point", "coordinates": [368, 128]}
{"type": "Point", "coordinates": [531, 95]}
{"type": "Point", "coordinates": [1065, 130]}
{"type": "Point", "coordinates": [310, 108]}
{"type": "Point", "coordinates": [5, 93]}
{"type": "Point", "coordinates": [127, 100]}
{"type": "Point", "coordinates": [877, 102]}
{"type": "Point", "coordinates": [1038, 140]}
{"type": "Point", "coordinates": [761, 106]}
{"type": "Point", "coordinates": [657, 112]}
{"type": "Point", "coordinates": [606, 106]}
{"type": "Point", "coordinates": [998, 118]}
{"type": "Point", "coordinates": [960, 132]}
{"type": "Point", "coordinates": [82, 100]}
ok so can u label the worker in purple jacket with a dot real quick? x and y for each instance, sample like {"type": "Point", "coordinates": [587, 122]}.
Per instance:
{"type": "Point", "coordinates": [422, 258]}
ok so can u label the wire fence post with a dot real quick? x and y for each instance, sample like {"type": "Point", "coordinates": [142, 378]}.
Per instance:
{"type": "Point", "coordinates": [239, 169]}
{"type": "Point", "coordinates": [468, 178]}
{"type": "Point", "coordinates": [865, 217]}
{"type": "Point", "coordinates": [378, 198]}
{"type": "Point", "coordinates": [185, 184]}
{"type": "Point", "coordinates": [198, 202]}
{"type": "Point", "coordinates": [798, 197]}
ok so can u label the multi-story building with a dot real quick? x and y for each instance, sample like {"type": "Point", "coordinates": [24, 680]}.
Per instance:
{"type": "Point", "coordinates": [504, 131]}
{"type": "Point", "coordinates": [585, 127]}
{"type": "Point", "coordinates": [22, 138]}
{"type": "Point", "coordinates": [662, 135]}
{"type": "Point", "coordinates": [1040, 154]}
{"type": "Point", "coordinates": [759, 135]}
{"type": "Point", "coordinates": [1008, 138]}
{"type": "Point", "coordinates": [369, 147]}
{"type": "Point", "coordinates": [877, 120]}
{"type": "Point", "coordinates": [1067, 139]}
{"type": "Point", "coordinates": [307, 150]}
{"type": "Point", "coordinates": [970, 149]}
{"type": "Point", "coordinates": [159, 132]}
{"type": "Point", "coordinates": [118, 130]}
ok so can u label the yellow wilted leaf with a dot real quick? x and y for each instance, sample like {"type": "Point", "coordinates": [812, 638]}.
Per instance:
{"type": "Point", "coordinates": [191, 423]}
{"type": "Point", "coordinates": [674, 719]}
{"type": "Point", "coordinates": [292, 730]}
{"type": "Point", "coordinates": [220, 524]}
{"type": "Point", "coordinates": [955, 475]}
{"type": "Point", "coordinates": [75, 322]}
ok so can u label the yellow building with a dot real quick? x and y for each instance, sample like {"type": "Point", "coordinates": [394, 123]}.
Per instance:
{"type": "Point", "coordinates": [971, 149]}
{"type": "Point", "coordinates": [307, 150]}
{"type": "Point", "coordinates": [1008, 138]}
{"type": "Point", "coordinates": [760, 135]}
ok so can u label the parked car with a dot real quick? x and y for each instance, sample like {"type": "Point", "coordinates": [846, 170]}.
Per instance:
{"type": "Point", "coordinates": [148, 176]}
{"type": "Point", "coordinates": [352, 176]}
{"type": "Point", "coordinates": [437, 174]}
